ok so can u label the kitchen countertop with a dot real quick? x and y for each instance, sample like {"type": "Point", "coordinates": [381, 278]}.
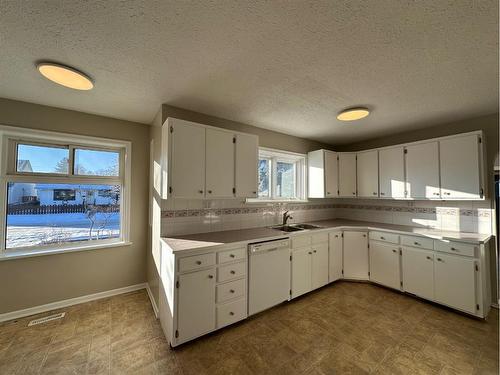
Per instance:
{"type": "Point", "coordinates": [213, 240]}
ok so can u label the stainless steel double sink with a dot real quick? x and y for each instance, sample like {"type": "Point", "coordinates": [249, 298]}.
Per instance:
{"type": "Point", "coordinates": [294, 227]}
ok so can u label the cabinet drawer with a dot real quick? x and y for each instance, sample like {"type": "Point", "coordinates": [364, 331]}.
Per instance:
{"type": "Point", "coordinates": [231, 290]}
{"type": "Point", "coordinates": [452, 247]}
{"type": "Point", "coordinates": [414, 241]}
{"type": "Point", "coordinates": [231, 255]}
{"type": "Point", "coordinates": [385, 237]}
{"type": "Point", "coordinates": [231, 271]}
{"type": "Point", "coordinates": [196, 261]}
{"type": "Point", "coordinates": [231, 312]}
{"type": "Point", "coordinates": [319, 238]}
{"type": "Point", "coordinates": [301, 241]}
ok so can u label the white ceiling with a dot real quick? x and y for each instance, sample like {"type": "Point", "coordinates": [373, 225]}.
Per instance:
{"type": "Point", "coordinates": [288, 66]}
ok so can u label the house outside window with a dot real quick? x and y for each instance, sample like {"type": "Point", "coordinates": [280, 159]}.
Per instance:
{"type": "Point", "coordinates": [282, 175]}
{"type": "Point", "coordinates": [62, 195]}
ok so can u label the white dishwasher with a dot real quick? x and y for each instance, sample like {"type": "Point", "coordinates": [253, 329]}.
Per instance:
{"type": "Point", "coordinates": [268, 274]}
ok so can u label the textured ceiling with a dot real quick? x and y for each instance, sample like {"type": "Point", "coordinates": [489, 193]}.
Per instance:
{"type": "Point", "coordinates": [288, 66]}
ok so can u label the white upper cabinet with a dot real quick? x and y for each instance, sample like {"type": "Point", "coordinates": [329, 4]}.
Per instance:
{"type": "Point", "coordinates": [347, 174]}
{"type": "Point", "coordinates": [367, 174]}
{"type": "Point", "coordinates": [219, 164]}
{"type": "Point", "coordinates": [247, 154]}
{"type": "Point", "coordinates": [322, 174]}
{"type": "Point", "coordinates": [422, 170]}
{"type": "Point", "coordinates": [460, 164]}
{"type": "Point", "coordinates": [187, 160]}
{"type": "Point", "coordinates": [391, 172]}
{"type": "Point", "coordinates": [207, 162]}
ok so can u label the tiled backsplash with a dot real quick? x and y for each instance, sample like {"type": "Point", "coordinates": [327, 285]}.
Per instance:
{"type": "Point", "coordinates": [198, 216]}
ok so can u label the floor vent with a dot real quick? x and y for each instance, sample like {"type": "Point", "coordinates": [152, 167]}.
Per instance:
{"type": "Point", "coordinates": [46, 319]}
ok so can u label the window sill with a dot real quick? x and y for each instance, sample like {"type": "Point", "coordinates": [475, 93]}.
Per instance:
{"type": "Point", "coordinates": [17, 254]}
{"type": "Point", "coordinates": [260, 201]}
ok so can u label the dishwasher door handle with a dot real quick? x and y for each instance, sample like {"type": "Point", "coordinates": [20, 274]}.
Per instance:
{"type": "Point", "coordinates": [256, 250]}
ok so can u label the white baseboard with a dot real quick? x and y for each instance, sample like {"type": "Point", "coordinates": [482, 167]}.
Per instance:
{"type": "Point", "coordinates": [70, 302]}
{"type": "Point", "coordinates": [151, 298]}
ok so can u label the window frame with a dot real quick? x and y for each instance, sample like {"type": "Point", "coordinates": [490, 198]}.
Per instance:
{"type": "Point", "coordinates": [10, 137]}
{"type": "Point", "coordinates": [275, 156]}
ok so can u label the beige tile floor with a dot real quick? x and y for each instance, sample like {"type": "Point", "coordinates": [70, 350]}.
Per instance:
{"type": "Point", "coordinates": [344, 328]}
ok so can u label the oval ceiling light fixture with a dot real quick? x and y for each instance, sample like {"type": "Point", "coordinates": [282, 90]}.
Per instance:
{"type": "Point", "coordinates": [65, 75]}
{"type": "Point", "coordinates": [352, 114]}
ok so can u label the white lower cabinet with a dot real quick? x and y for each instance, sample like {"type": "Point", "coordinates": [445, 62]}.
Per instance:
{"type": "Point", "coordinates": [455, 282]}
{"type": "Point", "coordinates": [301, 271]}
{"type": "Point", "coordinates": [356, 264]}
{"type": "Point", "coordinates": [335, 261]}
{"type": "Point", "coordinates": [319, 266]}
{"type": "Point", "coordinates": [385, 265]}
{"type": "Point", "coordinates": [418, 272]}
{"type": "Point", "coordinates": [309, 264]}
{"type": "Point", "coordinates": [196, 304]}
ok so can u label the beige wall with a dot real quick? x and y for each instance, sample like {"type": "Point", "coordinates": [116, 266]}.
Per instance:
{"type": "Point", "coordinates": [267, 138]}
{"type": "Point", "coordinates": [39, 280]}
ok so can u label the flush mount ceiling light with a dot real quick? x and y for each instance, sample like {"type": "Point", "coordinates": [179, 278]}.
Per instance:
{"type": "Point", "coordinates": [65, 76]}
{"type": "Point", "coordinates": [352, 114]}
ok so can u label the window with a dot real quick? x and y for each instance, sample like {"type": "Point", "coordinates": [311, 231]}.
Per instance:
{"type": "Point", "coordinates": [61, 195]}
{"type": "Point", "coordinates": [281, 175]}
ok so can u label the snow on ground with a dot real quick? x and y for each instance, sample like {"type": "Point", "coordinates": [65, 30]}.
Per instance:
{"type": "Point", "coordinates": [31, 230]}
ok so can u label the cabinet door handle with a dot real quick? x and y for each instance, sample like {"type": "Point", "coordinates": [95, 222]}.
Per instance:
{"type": "Point", "coordinates": [233, 272]}
{"type": "Point", "coordinates": [231, 255]}
{"type": "Point", "coordinates": [210, 276]}
{"type": "Point", "coordinates": [209, 191]}
{"type": "Point", "coordinates": [382, 238]}
{"type": "Point", "coordinates": [314, 251]}
{"type": "Point", "coordinates": [374, 193]}
{"type": "Point", "coordinates": [394, 251]}
{"type": "Point", "coordinates": [353, 193]}
{"type": "Point", "coordinates": [447, 193]}
{"type": "Point", "coordinates": [254, 192]}
{"type": "Point", "coordinates": [231, 291]}
{"type": "Point", "coordinates": [200, 191]}
{"type": "Point", "coordinates": [381, 193]}
{"type": "Point", "coordinates": [454, 249]}
{"type": "Point", "coordinates": [231, 313]}
{"type": "Point", "coordinates": [309, 253]}
{"type": "Point", "coordinates": [198, 262]}
{"type": "Point", "coordinates": [428, 257]}
{"type": "Point", "coordinates": [416, 243]}
{"type": "Point", "coordinates": [364, 235]}
{"type": "Point", "coordinates": [439, 259]}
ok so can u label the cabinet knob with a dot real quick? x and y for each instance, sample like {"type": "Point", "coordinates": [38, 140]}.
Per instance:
{"type": "Point", "coordinates": [374, 193]}
{"type": "Point", "coordinates": [210, 276]}
{"type": "Point", "coordinates": [353, 193]}
{"type": "Point", "coordinates": [382, 238]}
{"type": "Point", "coordinates": [231, 255]}
{"type": "Point", "coordinates": [198, 262]}
{"type": "Point", "coordinates": [328, 193]}
{"type": "Point", "coordinates": [364, 235]}
{"type": "Point", "coordinates": [439, 259]}
{"type": "Point", "coordinates": [428, 257]}
{"type": "Point", "coordinates": [233, 272]}
{"type": "Point", "coordinates": [231, 291]}
{"type": "Point", "coordinates": [336, 236]}
{"type": "Point", "coordinates": [309, 252]}
{"type": "Point", "coordinates": [231, 313]}
{"type": "Point", "coordinates": [382, 193]}
{"type": "Point", "coordinates": [254, 192]}
{"type": "Point", "coordinates": [454, 249]}
{"type": "Point", "coordinates": [447, 193]}
{"type": "Point", "coordinates": [209, 191]}
{"type": "Point", "coordinates": [416, 243]}
{"type": "Point", "coordinates": [435, 193]}
{"type": "Point", "coordinates": [394, 251]}
{"type": "Point", "coordinates": [314, 251]}
{"type": "Point", "coordinates": [200, 191]}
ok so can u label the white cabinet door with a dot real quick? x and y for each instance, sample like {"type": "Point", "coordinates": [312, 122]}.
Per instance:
{"type": "Point", "coordinates": [301, 271]}
{"type": "Point", "coordinates": [335, 259]}
{"type": "Point", "coordinates": [384, 264]}
{"type": "Point", "coordinates": [355, 255]}
{"type": "Point", "coordinates": [319, 265]}
{"type": "Point", "coordinates": [460, 167]}
{"type": "Point", "coordinates": [247, 150]}
{"type": "Point", "coordinates": [196, 304]}
{"type": "Point", "coordinates": [331, 174]}
{"type": "Point", "coordinates": [219, 164]}
{"type": "Point", "coordinates": [418, 272]}
{"type": "Point", "coordinates": [347, 174]}
{"type": "Point", "coordinates": [367, 174]}
{"type": "Point", "coordinates": [187, 161]}
{"type": "Point", "coordinates": [392, 172]}
{"type": "Point", "coordinates": [422, 170]}
{"type": "Point", "coordinates": [455, 282]}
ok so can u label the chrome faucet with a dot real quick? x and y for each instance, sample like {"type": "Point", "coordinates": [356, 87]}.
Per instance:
{"type": "Point", "coordinates": [286, 216]}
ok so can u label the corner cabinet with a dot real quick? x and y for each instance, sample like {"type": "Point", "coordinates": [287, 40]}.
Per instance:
{"type": "Point", "coordinates": [200, 161]}
{"type": "Point", "coordinates": [322, 174]}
